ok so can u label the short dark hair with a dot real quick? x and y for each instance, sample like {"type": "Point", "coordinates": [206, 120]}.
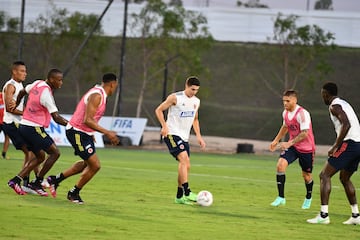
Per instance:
{"type": "Point", "coordinates": [108, 77]}
{"type": "Point", "coordinates": [53, 72]}
{"type": "Point", "coordinates": [290, 92]}
{"type": "Point", "coordinates": [331, 88]}
{"type": "Point", "coordinates": [192, 81]}
{"type": "Point", "coordinates": [17, 63]}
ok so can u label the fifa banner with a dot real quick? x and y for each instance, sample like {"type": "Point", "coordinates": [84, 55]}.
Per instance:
{"type": "Point", "coordinates": [125, 127]}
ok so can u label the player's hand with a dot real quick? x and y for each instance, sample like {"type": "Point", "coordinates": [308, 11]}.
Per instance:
{"type": "Point", "coordinates": [111, 135]}
{"type": "Point", "coordinates": [274, 145]}
{"type": "Point", "coordinates": [164, 131]}
{"type": "Point", "coordinates": [201, 142]}
{"type": "Point", "coordinates": [332, 151]}
{"type": "Point", "coordinates": [12, 105]}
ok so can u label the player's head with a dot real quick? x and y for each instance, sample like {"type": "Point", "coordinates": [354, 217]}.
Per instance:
{"type": "Point", "coordinates": [110, 82]}
{"type": "Point", "coordinates": [18, 71]}
{"type": "Point", "coordinates": [192, 86]}
{"type": "Point", "coordinates": [55, 78]}
{"type": "Point", "coordinates": [289, 99]}
{"type": "Point", "coordinates": [328, 92]}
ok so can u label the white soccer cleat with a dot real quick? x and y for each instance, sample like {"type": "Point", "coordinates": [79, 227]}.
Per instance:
{"type": "Point", "coordinates": [352, 221]}
{"type": "Point", "coordinates": [45, 183]}
{"type": "Point", "coordinates": [319, 220]}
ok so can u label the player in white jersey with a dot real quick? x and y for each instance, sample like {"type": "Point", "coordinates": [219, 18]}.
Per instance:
{"type": "Point", "coordinates": [182, 116]}
{"type": "Point", "coordinates": [12, 114]}
{"type": "Point", "coordinates": [344, 155]}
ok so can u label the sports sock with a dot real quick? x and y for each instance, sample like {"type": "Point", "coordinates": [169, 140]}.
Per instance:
{"type": "Point", "coordinates": [26, 180]}
{"type": "Point", "coordinates": [280, 180]}
{"type": "Point", "coordinates": [17, 179]}
{"type": "Point", "coordinates": [354, 210]}
{"type": "Point", "coordinates": [75, 190]}
{"type": "Point", "coordinates": [324, 211]}
{"type": "Point", "coordinates": [60, 177]}
{"type": "Point", "coordinates": [309, 187]}
{"type": "Point", "coordinates": [3, 154]}
{"type": "Point", "coordinates": [180, 192]}
{"type": "Point", "coordinates": [186, 188]}
{"type": "Point", "coordinates": [39, 180]}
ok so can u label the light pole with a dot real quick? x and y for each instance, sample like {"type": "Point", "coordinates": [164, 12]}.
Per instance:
{"type": "Point", "coordinates": [165, 81]}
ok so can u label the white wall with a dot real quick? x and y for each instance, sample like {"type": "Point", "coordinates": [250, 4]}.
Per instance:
{"type": "Point", "coordinates": [226, 24]}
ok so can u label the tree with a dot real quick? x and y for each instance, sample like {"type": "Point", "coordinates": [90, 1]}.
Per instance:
{"type": "Point", "coordinates": [323, 5]}
{"type": "Point", "coordinates": [302, 51]}
{"type": "Point", "coordinates": [58, 29]}
{"type": "Point", "coordinates": [167, 32]}
{"type": "Point", "coordinates": [11, 27]}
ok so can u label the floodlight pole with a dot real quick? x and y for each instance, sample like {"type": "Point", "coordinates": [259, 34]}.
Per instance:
{"type": "Point", "coordinates": [71, 62]}
{"type": "Point", "coordinates": [118, 99]}
{"type": "Point", "coordinates": [21, 37]}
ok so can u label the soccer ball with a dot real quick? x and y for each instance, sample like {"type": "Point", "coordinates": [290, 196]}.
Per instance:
{"type": "Point", "coordinates": [204, 198]}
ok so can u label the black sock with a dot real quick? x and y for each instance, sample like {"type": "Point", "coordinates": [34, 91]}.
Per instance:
{"type": "Point", "coordinates": [180, 192]}
{"type": "Point", "coordinates": [60, 177]}
{"type": "Point", "coordinates": [26, 180]}
{"type": "Point", "coordinates": [309, 187]}
{"type": "Point", "coordinates": [355, 215]}
{"type": "Point", "coordinates": [324, 215]}
{"type": "Point", "coordinates": [17, 179]}
{"type": "Point", "coordinates": [3, 154]}
{"type": "Point", "coordinates": [75, 190]}
{"type": "Point", "coordinates": [186, 188]}
{"type": "Point", "coordinates": [280, 180]}
{"type": "Point", "coordinates": [39, 180]}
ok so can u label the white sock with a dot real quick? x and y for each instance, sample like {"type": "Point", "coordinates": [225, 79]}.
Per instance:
{"type": "Point", "coordinates": [324, 208]}
{"type": "Point", "coordinates": [354, 208]}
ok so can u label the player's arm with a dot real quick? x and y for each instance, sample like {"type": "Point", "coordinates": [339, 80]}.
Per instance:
{"type": "Point", "coordinates": [196, 128]}
{"type": "Point", "coordinates": [159, 112]}
{"type": "Point", "coordinates": [304, 120]}
{"type": "Point", "coordinates": [337, 111]}
{"type": "Point", "coordinates": [10, 104]}
{"type": "Point", "coordinates": [282, 131]}
{"type": "Point", "coordinates": [94, 101]}
{"type": "Point", "coordinates": [47, 100]}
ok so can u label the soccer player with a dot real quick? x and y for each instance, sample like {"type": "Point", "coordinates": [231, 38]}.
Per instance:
{"type": "Point", "coordinates": [343, 156]}
{"type": "Point", "coordinates": [301, 145]}
{"type": "Point", "coordinates": [80, 133]}
{"type": "Point", "coordinates": [12, 115]}
{"type": "Point", "coordinates": [6, 137]}
{"type": "Point", "coordinates": [40, 107]}
{"type": "Point", "coordinates": [183, 114]}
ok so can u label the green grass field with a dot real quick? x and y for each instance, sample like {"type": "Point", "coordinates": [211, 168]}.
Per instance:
{"type": "Point", "coordinates": [132, 197]}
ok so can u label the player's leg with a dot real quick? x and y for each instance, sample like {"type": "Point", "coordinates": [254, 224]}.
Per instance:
{"type": "Point", "coordinates": [5, 146]}
{"type": "Point", "coordinates": [92, 167]}
{"type": "Point", "coordinates": [351, 196]}
{"type": "Point", "coordinates": [280, 181]}
{"type": "Point", "coordinates": [325, 188]}
{"type": "Point", "coordinates": [306, 163]}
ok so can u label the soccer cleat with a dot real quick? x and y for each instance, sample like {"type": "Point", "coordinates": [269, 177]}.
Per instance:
{"type": "Point", "coordinates": [29, 190]}
{"type": "Point", "coordinates": [75, 198]}
{"type": "Point", "coordinates": [319, 220]}
{"type": "Point", "coordinates": [352, 221]}
{"type": "Point", "coordinates": [191, 197]}
{"type": "Point", "coordinates": [183, 200]}
{"type": "Point", "coordinates": [278, 201]}
{"type": "Point", "coordinates": [16, 187]}
{"type": "Point", "coordinates": [52, 185]}
{"type": "Point", "coordinates": [307, 203]}
{"type": "Point", "coordinates": [38, 188]}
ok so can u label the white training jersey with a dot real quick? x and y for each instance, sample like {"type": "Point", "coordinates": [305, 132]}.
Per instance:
{"type": "Point", "coordinates": [354, 131]}
{"type": "Point", "coordinates": [303, 118]}
{"type": "Point", "coordinates": [9, 117]}
{"type": "Point", "coordinates": [181, 116]}
{"type": "Point", "coordinates": [46, 100]}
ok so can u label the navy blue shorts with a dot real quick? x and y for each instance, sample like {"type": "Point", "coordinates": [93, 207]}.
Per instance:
{"type": "Point", "coordinates": [12, 130]}
{"type": "Point", "coordinates": [82, 143]}
{"type": "Point", "coordinates": [306, 160]}
{"type": "Point", "coordinates": [347, 157]}
{"type": "Point", "coordinates": [35, 138]}
{"type": "Point", "coordinates": [176, 145]}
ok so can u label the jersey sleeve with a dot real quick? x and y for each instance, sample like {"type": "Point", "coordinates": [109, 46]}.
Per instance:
{"type": "Point", "coordinates": [47, 100]}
